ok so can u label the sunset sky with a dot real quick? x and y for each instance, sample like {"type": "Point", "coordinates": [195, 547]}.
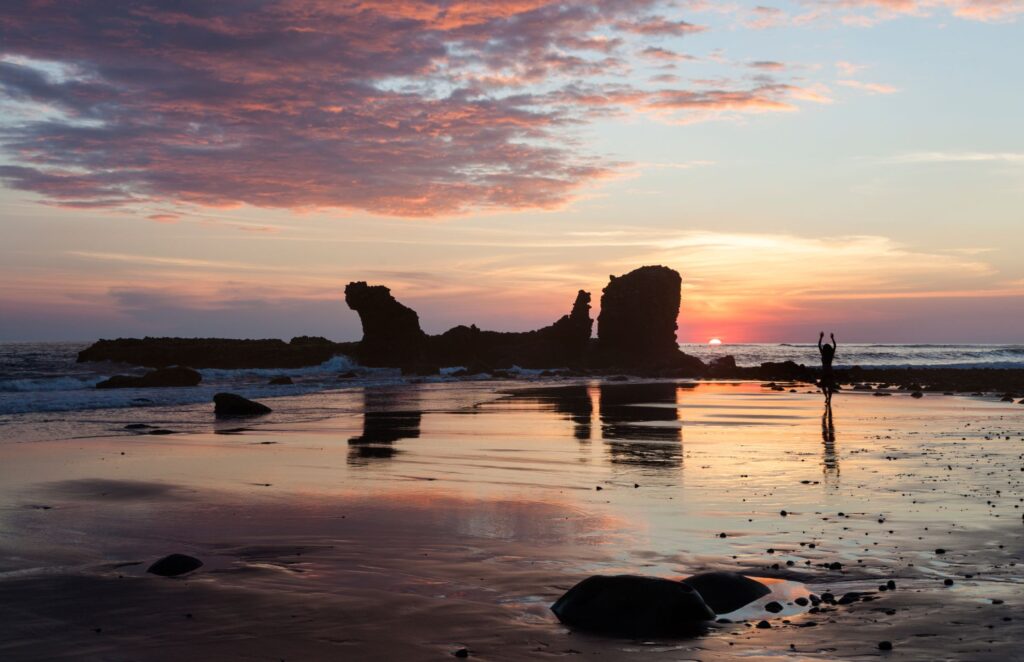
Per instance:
{"type": "Point", "coordinates": [223, 168]}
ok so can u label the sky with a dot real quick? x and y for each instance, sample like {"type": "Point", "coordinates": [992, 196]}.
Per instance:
{"type": "Point", "coordinates": [188, 168]}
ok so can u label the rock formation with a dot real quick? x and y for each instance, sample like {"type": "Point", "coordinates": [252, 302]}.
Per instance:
{"type": "Point", "coordinates": [636, 332]}
{"type": "Point", "coordinates": [637, 324]}
{"type": "Point", "coordinates": [562, 344]}
{"type": "Point", "coordinates": [391, 332]}
{"type": "Point", "coordinates": [215, 352]}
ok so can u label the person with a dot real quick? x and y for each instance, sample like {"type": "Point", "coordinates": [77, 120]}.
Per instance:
{"type": "Point", "coordinates": [828, 352]}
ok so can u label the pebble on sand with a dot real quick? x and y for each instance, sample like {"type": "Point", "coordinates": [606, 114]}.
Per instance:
{"type": "Point", "coordinates": [885, 645]}
{"type": "Point", "coordinates": [173, 565]}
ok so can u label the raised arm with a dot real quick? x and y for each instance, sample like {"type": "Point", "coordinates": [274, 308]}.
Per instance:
{"type": "Point", "coordinates": [821, 336]}
{"type": "Point", "coordinates": [834, 343]}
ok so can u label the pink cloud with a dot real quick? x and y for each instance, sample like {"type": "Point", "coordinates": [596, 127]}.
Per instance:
{"type": "Point", "coordinates": [399, 107]}
{"type": "Point", "coordinates": [873, 88]}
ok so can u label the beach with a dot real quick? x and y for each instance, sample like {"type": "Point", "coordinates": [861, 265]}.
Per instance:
{"type": "Point", "coordinates": [421, 519]}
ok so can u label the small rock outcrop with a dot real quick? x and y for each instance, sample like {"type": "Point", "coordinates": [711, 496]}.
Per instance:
{"type": "Point", "coordinates": [229, 404]}
{"type": "Point", "coordinates": [562, 344]}
{"type": "Point", "coordinates": [632, 606]}
{"type": "Point", "coordinates": [173, 565]}
{"type": "Point", "coordinates": [726, 592]}
{"type": "Point", "coordinates": [161, 377]}
{"type": "Point", "coordinates": [282, 380]}
{"type": "Point", "coordinates": [637, 324]}
{"type": "Point", "coordinates": [391, 331]}
{"type": "Point", "coordinates": [223, 353]}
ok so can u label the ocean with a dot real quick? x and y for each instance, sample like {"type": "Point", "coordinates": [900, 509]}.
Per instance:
{"type": "Point", "coordinates": [44, 393]}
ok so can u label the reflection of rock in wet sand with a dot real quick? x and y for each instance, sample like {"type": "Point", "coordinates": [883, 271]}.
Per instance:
{"type": "Point", "coordinates": [386, 419]}
{"type": "Point", "coordinates": [830, 461]}
{"type": "Point", "coordinates": [636, 432]}
{"type": "Point", "coordinates": [574, 402]}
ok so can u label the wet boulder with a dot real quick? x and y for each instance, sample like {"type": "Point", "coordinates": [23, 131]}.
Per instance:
{"type": "Point", "coordinates": [229, 404]}
{"type": "Point", "coordinates": [174, 565]}
{"type": "Point", "coordinates": [161, 377]}
{"type": "Point", "coordinates": [631, 605]}
{"type": "Point", "coordinates": [726, 592]}
{"type": "Point", "coordinates": [283, 380]}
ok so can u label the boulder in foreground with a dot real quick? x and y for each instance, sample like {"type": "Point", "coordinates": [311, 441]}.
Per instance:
{"type": "Point", "coordinates": [726, 592]}
{"type": "Point", "coordinates": [229, 404]}
{"type": "Point", "coordinates": [161, 377]}
{"type": "Point", "coordinates": [174, 565]}
{"type": "Point", "coordinates": [630, 605]}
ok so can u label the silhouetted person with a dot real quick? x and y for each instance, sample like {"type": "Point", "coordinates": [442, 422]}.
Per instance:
{"type": "Point", "coordinates": [828, 352]}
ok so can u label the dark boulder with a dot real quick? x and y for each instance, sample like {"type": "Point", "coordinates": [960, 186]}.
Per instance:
{"type": "Point", "coordinates": [391, 331]}
{"type": "Point", "coordinates": [283, 380]}
{"type": "Point", "coordinates": [726, 592]}
{"type": "Point", "coordinates": [174, 565]}
{"type": "Point", "coordinates": [161, 377]}
{"type": "Point", "coordinates": [229, 404]}
{"type": "Point", "coordinates": [722, 366]}
{"type": "Point", "coordinates": [637, 324]}
{"type": "Point", "coordinates": [632, 606]}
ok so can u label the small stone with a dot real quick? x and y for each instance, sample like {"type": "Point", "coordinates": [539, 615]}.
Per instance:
{"type": "Point", "coordinates": [462, 652]}
{"type": "Point", "coordinates": [764, 625]}
{"type": "Point", "coordinates": [885, 645]}
{"type": "Point", "coordinates": [174, 565]}
{"type": "Point", "coordinates": [947, 582]}
{"type": "Point", "coordinates": [773, 607]}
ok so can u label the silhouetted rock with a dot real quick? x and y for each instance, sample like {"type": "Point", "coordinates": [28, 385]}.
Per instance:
{"type": "Point", "coordinates": [162, 377]}
{"type": "Point", "coordinates": [283, 380]}
{"type": "Point", "coordinates": [215, 352]}
{"type": "Point", "coordinates": [391, 332]}
{"type": "Point", "coordinates": [722, 365]}
{"type": "Point", "coordinates": [637, 324]}
{"type": "Point", "coordinates": [726, 592]}
{"type": "Point", "coordinates": [174, 565]}
{"type": "Point", "coordinates": [229, 404]}
{"type": "Point", "coordinates": [562, 344]}
{"type": "Point", "coordinates": [632, 606]}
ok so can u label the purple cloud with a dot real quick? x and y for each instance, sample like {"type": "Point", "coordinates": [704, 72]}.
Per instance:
{"type": "Point", "coordinates": [403, 107]}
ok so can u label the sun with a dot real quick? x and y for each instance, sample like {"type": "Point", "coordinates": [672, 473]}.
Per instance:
{"type": "Point", "coordinates": [715, 341]}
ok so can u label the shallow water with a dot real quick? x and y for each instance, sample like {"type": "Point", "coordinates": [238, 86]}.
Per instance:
{"type": "Point", "coordinates": [421, 518]}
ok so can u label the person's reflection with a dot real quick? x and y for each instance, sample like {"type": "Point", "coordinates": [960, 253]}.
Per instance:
{"type": "Point", "coordinates": [388, 416]}
{"type": "Point", "coordinates": [830, 461]}
{"type": "Point", "coordinates": [640, 423]}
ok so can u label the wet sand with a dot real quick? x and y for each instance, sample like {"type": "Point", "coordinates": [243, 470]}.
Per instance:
{"type": "Point", "coordinates": [435, 517]}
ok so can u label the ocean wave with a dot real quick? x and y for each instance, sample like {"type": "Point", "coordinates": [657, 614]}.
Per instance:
{"type": "Point", "coordinates": [334, 365]}
{"type": "Point", "coordinates": [49, 384]}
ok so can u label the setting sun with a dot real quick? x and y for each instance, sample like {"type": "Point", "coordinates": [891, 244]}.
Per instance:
{"type": "Point", "coordinates": [715, 341]}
